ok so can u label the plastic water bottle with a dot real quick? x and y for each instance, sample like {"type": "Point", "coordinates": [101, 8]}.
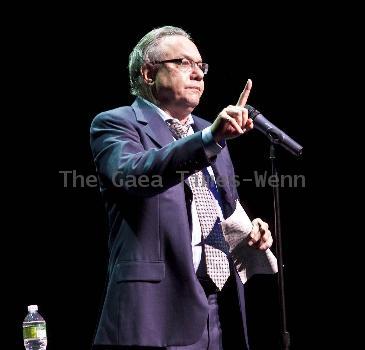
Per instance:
{"type": "Point", "coordinates": [34, 330]}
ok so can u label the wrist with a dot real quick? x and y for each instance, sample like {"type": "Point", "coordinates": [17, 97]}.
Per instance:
{"type": "Point", "coordinates": [217, 136]}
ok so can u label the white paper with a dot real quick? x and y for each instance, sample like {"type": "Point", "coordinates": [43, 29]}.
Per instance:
{"type": "Point", "coordinates": [248, 260]}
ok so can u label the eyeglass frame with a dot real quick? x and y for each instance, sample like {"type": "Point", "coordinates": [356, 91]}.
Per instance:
{"type": "Point", "coordinates": [204, 66]}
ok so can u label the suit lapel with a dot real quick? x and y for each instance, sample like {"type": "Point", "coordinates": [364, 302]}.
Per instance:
{"type": "Point", "coordinates": [155, 127]}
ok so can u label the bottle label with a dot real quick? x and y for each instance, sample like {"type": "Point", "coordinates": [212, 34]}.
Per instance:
{"type": "Point", "coordinates": [34, 332]}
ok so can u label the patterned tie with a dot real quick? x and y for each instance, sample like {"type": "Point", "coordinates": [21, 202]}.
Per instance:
{"type": "Point", "coordinates": [215, 247]}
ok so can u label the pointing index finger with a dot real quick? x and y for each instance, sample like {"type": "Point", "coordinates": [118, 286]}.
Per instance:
{"type": "Point", "coordinates": [245, 93]}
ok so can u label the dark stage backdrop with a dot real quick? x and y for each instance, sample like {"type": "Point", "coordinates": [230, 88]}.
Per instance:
{"type": "Point", "coordinates": [71, 70]}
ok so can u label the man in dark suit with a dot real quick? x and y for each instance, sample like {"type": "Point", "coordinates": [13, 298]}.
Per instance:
{"type": "Point", "coordinates": [160, 292]}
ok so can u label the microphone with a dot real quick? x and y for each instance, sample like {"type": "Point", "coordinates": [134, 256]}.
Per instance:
{"type": "Point", "coordinates": [274, 134]}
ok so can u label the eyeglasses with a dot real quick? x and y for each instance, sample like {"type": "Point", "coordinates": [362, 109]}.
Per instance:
{"type": "Point", "coordinates": [186, 65]}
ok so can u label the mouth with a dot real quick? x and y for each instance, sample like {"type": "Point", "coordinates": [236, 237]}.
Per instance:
{"type": "Point", "coordinates": [196, 88]}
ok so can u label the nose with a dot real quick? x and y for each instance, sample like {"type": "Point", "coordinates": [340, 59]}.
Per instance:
{"type": "Point", "coordinates": [196, 72]}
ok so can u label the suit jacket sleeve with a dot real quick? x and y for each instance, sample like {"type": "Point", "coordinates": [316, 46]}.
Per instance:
{"type": "Point", "coordinates": [125, 158]}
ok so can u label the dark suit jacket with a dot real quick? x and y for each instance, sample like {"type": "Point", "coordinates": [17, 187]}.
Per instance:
{"type": "Point", "coordinates": [153, 297]}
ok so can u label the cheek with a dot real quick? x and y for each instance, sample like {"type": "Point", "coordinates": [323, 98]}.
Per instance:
{"type": "Point", "coordinates": [171, 82]}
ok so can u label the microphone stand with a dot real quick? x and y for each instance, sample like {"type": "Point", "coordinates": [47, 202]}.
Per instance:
{"type": "Point", "coordinates": [285, 336]}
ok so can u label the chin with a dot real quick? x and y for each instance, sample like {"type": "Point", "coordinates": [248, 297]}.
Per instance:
{"type": "Point", "coordinates": [188, 103]}
{"type": "Point", "coordinates": [193, 103]}
{"type": "Point", "coordinates": [193, 99]}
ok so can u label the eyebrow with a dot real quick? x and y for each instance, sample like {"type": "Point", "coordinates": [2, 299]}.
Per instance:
{"type": "Point", "coordinates": [190, 58]}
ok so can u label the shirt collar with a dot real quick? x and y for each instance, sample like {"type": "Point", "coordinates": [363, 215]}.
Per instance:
{"type": "Point", "coordinates": [164, 115]}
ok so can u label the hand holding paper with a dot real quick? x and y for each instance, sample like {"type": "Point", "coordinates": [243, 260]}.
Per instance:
{"type": "Point", "coordinates": [248, 260]}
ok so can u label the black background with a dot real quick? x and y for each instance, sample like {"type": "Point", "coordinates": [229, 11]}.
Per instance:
{"type": "Point", "coordinates": [71, 66]}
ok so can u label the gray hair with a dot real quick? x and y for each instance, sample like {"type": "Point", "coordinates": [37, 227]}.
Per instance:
{"type": "Point", "coordinates": [147, 50]}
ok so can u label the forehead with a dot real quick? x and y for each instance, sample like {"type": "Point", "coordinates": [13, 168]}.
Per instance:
{"type": "Point", "coordinates": [176, 46]}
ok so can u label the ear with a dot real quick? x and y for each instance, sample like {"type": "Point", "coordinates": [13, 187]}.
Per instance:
{"type": "Point", "coordinates": [148, 73]}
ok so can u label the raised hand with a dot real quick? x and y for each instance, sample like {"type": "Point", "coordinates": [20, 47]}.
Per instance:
{"type": "Point", "coordinates": [233, 121]}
